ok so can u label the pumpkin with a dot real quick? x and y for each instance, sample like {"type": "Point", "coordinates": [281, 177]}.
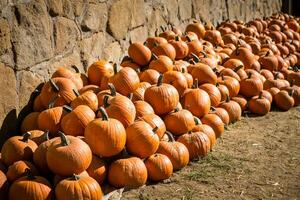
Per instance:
{"type": "Point", "coordinates": [231, 73]}
{"type": "Point", "coordinates": [296, 93]}
{"type": "Point", "coordinates": [156, 123]}
{"type": "Point", "coordinates": [259, 105]}
{"type": "Point", "coordinates": [251, 86]}
{"type": "Point", "coordinates": [40, 156]}
{"type": "Point", "coordinates": [141, 139]}
{"type": "Point", "coordinates": [2, 166]}
{"type": "Point", "coordinates": [142, 108]}
{"type": "Point", "coordinates": [111, 92]}
{"type": "Point", "coordinates": [213, 92]}
{"type": "Point", "coordinates": [58, 91]}
{"type": "Point", "coordinates": [294, 76]}
{"type": "Point", "coordinates": [68, 155]}
{"type": "Point", "coordinates": [30, 187]}
{"type": "Point", "coordinates": [207, 130]}
{"type": "Point", "coordinates": [38, 105]}
{"type": "Point", "coordinates": [106, 137]}
{"type": "Point", "coordinates": [267, 95]}
{"type": "Point", "coordinates": [39, 136]}
{"type": "Point", "coordinates": [76, 120]}
{"type": "Point", "coordinates": [188, 78]}
{"type": "Point", "coordinates": [127, 172]}
{"type": "Point", "coordinates": [139, 53]}
{"type": "Point", "coordinates": [162, 97]}
{"type": "Point", "coordinates": [197, 143]}
{"type": "Point", "coordinates": [120, 108]}
{"type": "Point", "coordinates": [215, 122]}
{"type": "Point", "coordinates": [241, 101]}
{"type": "Point", "coordinates": [149, 75]}
{"type": "Point", "coordinates": [88, 98]}
{"type": "Point", "coordinates": [273, 91]}
{"type": "Point", "coordinates": [204, 74]}
{"type": "Point", "coordinates": [233, 109]}
{"type": "Point", "coordinates": [197, 101]}
{"type": "Point", "coordinates": [17, 148]}
{"type": "Point", "coordinates": [30, 122]}
{"type": "Point", "coordinates": [165, 49]}
{"type": "Point", "coordinates": [18, 169]}
{"type": "Point", "coordinates": [177, 79]}
{"type": "Point", "coordinates": [175, 151]}
{"type": "Point", "coordinates": [4, 186]}
{"type": "Point", "coordinates": [267, 74]}
{"type": "Point", "coordinates": [232, 85]}
{"type": "Point", "coordinates": [50, 119]}
{"type": "Point", "coordinates": [284, 100]}
{"type": "Point", "coordinates": [197, 28]}
{"type": "Point", "coordinates": [125, 80]}
{"type": "Point", "coordinates": [58, 178]}
{"type": "Point", "coordinates": [98, 71]}
{"type": "Point", "coordinates": [179, 121]}
{"type": "Point", "coordinates": [180, 47]}
{"type": "Point", "coordinates": [151, 42]}
{"type": "Point", "coordinates": [222, 113]}
{"type": "Point", "coordinates": [245, 55]}
{"type": "Point", "coordinates": [233, 63]}
{"type": "Point", "coordinates": [159, 167]}
{"type": "Point", "coordinates": [66, 73]}
{"type": "Point", "coordinates": [223, 90]}
{"type": "Point", "coordinates": [78, 187]}
{"type": "Point", "coordinates": [138, 93]}
{"type": "Point", "coordinates": [97, 169]}
{"type": "Point", "coordinates": [161, 64]}
{"type": "Point", "coordinates": [269, 83]}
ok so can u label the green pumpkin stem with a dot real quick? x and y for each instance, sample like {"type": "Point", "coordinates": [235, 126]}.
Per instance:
{"type": "Point", "coordinates": [197, 121]}
{"type": "Point", "coordinates": [250, 75]}
{"type": "Point", "coordinates": [292, 93]}
{"type": "Point", "coordinates": [29, 174]}
{"type": "Point", "coordinates": [170, 136]}
{"type": "Point", "coordinates": [213, 109]}
{"type": "Point", "coordinates": [53, 85]}
{"type": "Point", "coordinates": [204, 54]}
{"type": "Point", "coordinates": [188, 38]}
{"type": "Point", "coordinates": [26, 137]}
{"type": "Point", "coordinates": [75, 177]}
{"type": "Point", "coordinates": [276, 76]}
{"type": "Point", "coordinates": [130, 96]}
{"type": "Point", "coordinates": [260, 95]}
{"type": "Point", "coordinates": [293, 82]}
{"type": "Point", "coordinates": [154, 56]}
{"type": "Point", "coordinates": [52, 101]}
{"type": "Point", "coordinates": [155, 129]}
{"type": "Point", "coordinates": [67, 108]}
{"type": "Point", "coordinates": [112, 89]}
{"type": "Point", "coordinates": [176, 109]}
{"type": "Point", "coordinates": [196, 84]}
{"type": "Point", "coordinates": [46, 135]}
{"type": "Point", "coordinates": [105, 101]}
{"type": "Point", "coordinates": [64, 139]}
{"type": "Point", "coordinates": [177, 38]}
{"type": "Point", "coordinates": [103, 114]}
{"type": "Point", "coordinates": [160, 80]}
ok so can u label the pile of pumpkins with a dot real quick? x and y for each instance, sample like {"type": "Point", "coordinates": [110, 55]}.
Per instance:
{"type": "Point", "coordinates": [162, 107]}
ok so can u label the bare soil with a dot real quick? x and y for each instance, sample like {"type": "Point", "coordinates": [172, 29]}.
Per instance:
{"type": "Point", "coordinates": [256, 158]}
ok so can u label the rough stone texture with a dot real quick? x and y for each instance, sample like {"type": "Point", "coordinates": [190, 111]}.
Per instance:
{"type": "Point", "coordinates": [95, 18]}
{"type": "Point", "coordinates": [31, 34]}
{"type": "Point", "coordinates": [65, 34]}
{"type": "Point", "coordinates": [8, 102]}
{"type": "Point", "coordinates": [37, 36]}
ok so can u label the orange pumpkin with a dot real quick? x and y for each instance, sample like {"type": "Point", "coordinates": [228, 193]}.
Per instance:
{"type": "Point", "coordinates": [215, 122]}
{"type": "Point", "coordinates": [98, 71]}
{"type": "Point", "coordinates": [142, 108]}
{"type": "Point", "coordinates": [259, 105]}
{"type": "Point", "coordinates": [30, 122]}
{"type": "Point", "coordinates": [97, 169]}
{"type": "Point", "coordinates": [284, 100]}
{"type": "Point", "coordinates": [18, 169]}
{"type": "Point", "coordinates": [156, 123]}
{"type": "Point", "coordinates": [233, 109]}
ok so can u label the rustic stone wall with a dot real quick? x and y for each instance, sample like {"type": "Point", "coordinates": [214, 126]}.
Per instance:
{"type": "Point", "coordinates": [37, 36]}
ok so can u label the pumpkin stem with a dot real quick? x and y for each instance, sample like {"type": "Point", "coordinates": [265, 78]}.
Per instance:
{"type": "Point", "coordinates": [162, 28]}
{"type": "Point", "coordinates": [67, 108]}
{"type": "Point", "coordinates": [26, 137]}
{"type": "Point", "coordinates": [292, 93]}
{"type": "Point", "coordinates": [237, 52]}
{"type": "Point", "coordinates": [75, 177]}
{"type": "Point", "coordinates": [268, 53]}
{"type": "Point", "coordinates": [293, 82]}
{"type": "Point", "coordinates": [160, 79]}
{"type": "Point", "coordinates": [155, 129]}
{"type": "Point", "coordinates": [176, 109]}
{"type": "Point", "coordinates": [222, 76]}
{"type": "Point", "coordinates": [63, 138]}
{"type": "Point", "coordinates": [182, 70]}
{"type": "Point", "coordinates": [76, 93]}
{"type": "Point", "coordinates": [145, 43]}
{"type": "Point", "coordinates": [29, 174]}
{"type": "Point", "coordinates": [154, 56]}
{"type": "Point", "coordinates": [196, 84]}
{"type": "Point", "coordinates": [197, 121]}
{"type": "Point", "coordinates": [53, 85]}
{"type": "Point", "coordinates": [75, 68]}
{"type": "Point", "coordinates": [112, 89]}
{"type": "Point", "coordinates": [260, 95]}
{"type": "Point", "coordinates": [177, 38]}
{"type": "Point", "coordinates": [250, 75]}
{"type": "Point", "coordinates": [46, 135]}
{"type": "Point", "coordinates": [188, 38]}
{"type": "Point", "coordinates": [115, 66]}
{"type": "Point", "coordinates": [212, 108]}
{"type": "Point", "coordinates": [276, 76]}
{"type": "Point", "coordinates": [103, 114]}
{"type": "Point", "coordinates": [52, 101]}
{"type": "Point", "coordinates": [204, 54]}
{"type": "Point", "coordinates": [130, 96]}
{"type": "Point", "coordinates": [156, 33]}
{"type": "Point", "coordinates": [227, 98]}
{"type": "Point", "coordinates": [238, 68]}
{"type": "Point", "coordinates": [195, 57]}
{"type": "Point", "coordinates": [170, 136]}
{"type": "Point", "coordinates": [105, 101]}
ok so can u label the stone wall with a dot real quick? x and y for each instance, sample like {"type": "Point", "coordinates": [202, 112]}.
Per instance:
{"type": "Point", "coordinates": [37, 36]}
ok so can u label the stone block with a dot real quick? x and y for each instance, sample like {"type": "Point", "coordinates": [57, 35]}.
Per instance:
{"type": "Point", "coordinates": [95, 18]}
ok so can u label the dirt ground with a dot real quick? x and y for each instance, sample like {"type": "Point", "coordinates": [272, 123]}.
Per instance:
{"type": "Point", "coordinates": [257, 158]}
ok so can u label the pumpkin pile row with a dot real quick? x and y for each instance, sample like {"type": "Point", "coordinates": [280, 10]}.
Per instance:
{"type": "Point", "coordinates": [162, 107]}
